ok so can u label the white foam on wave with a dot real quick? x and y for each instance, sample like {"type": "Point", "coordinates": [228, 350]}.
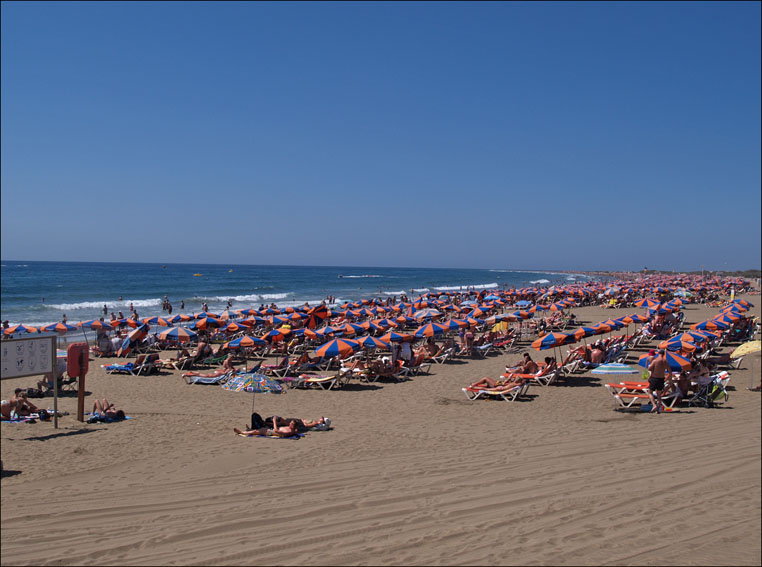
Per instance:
{"type": "Point", "coordinates": [99, 304]}
{"type": "Point", "coordinates": [393, 292]}
{"type": "Point", "coordinates": [465, 287]}
{"type": "Point", "coordinates": [421, 289]}
{"type": "Point", "coordinates": [242, 298]}
{"type": "Point", "coordinates": [364, 276]}
{"type": "Point", "coordinates": [540, 281]}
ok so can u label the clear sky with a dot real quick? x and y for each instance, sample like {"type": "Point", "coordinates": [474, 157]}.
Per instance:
{"type": "Point", "coordinates": [488, 135]}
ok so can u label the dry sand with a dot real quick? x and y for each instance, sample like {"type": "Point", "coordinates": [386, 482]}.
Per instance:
{"type": "Point", "coordinates": [413, 473]}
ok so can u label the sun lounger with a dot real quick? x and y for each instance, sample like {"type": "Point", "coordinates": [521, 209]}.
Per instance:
{"type": "Point", "coordinates": [482, 350]}
{"type": "Point", "coordinates": [509, 395]}
{"type": "Point", "coordinates": [191, 378]}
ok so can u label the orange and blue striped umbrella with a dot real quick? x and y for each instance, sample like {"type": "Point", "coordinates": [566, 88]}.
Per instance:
{"type": "Point", "coordinates": [338, 347]}
{"type": "Point", "coordinates": [58, 328]}
{"type": "Point", "coordinates": [392, 337]}
{"type": "Point", "coordinates": [676, 362]}
{"type": "Point", "coordinates": [132, 340]}
{"type": "Point", "coordinates": [585, 332]}
{"type": "Point", "coordinates": [19, 329]}
{"type": "Point", "coordinates": [552, 340]}
{"type": "Point", "coordinates": [98, 324]}
{"type": "Point", "coordinates": [372, 342]}
{"type": "Point", "coordinates": [430, 330]}
{"type": "Point", "coordinates": [351, 329]}
{"type": "Point", "coordinates": [180, 334]}
{"type": "Point", "coordinates": [161, 321]}
{"type": "Point", "coordinates": [179, 318]}
{"type": "Point", "coordinates": [245, 342]}
{"type": "Point", "coordinates": [647, 303]}
{"type": "Point", "coordinates": [635, 318]}
{"type": "Point", "coordinates": [207, 323]}
{"type": "Point", "coordinates": [677, 345]}
{"type": "Point", "coordinates": [235, 327]}
{"type": "Point", "coordinates": [710, 324]}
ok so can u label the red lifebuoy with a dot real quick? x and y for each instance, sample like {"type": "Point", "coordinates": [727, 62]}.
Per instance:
{"type": "Point", "coordinates": [77, 359]}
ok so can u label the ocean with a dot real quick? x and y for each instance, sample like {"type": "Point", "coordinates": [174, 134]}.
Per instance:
{"type": "Point", "coordinates": [39, 293]}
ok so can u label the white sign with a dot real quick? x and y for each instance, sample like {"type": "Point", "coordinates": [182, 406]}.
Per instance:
{"type": "Point", "coordinates": [27, 357]}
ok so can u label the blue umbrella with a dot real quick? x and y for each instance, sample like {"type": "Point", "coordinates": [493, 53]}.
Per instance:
{"type": "Point", "coordinates": [616, 368]}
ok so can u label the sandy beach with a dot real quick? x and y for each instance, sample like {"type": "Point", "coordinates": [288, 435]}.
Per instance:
{"type": "Point", "coordinates": [412, 473]}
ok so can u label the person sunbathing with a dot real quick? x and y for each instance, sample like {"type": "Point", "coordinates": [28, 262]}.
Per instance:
{"type": "Point", "coordinates": [288, 430]}
{"type": "Point", "coordinates": [105, 411]}
{"type": "Point", "coordinates": [488, 383]}
{"type": "Point", "coordinates": [21, 403]}
{"type": "Point", "coordinates": [302, 424]}
{"type": "Point", "coordinates": [526, 366]}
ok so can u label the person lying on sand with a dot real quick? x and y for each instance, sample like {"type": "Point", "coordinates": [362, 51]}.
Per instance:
{"type": "Point", "coordinates": [302, 424]}
{"type": "Point", "coordinates": [105, 411]}
{"type": "Point", "coordinates": [288, 430]}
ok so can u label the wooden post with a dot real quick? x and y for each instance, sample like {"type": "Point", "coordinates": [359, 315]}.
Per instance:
{"type": "Point", "coordinates": [55, 398]}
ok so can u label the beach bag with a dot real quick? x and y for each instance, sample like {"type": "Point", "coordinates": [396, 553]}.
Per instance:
{"type": "Point", "coordinates": [256, 421]}
{"type": "Point", "coordinates": [44, 415]}
{"type": "Point", "coordinates": [34, 393]}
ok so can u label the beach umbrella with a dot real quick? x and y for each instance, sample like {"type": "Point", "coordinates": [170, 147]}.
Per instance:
{"type": "Point", "coordinates": [254, 383]}
{"type": "Point", "coordinates": [453, 324]}
{"type": "Point", "coordinates": [338, 347]}
{"type": "Point", "coordinates": [426, 314]}
{"type": "Point", "coordinates": [583, 332]}
{"type": "Point", "coordinates": [392, 337]}
{"type": "Point", "coordinates": [205, 323]}
{"type": "Point", "coordinates": [227, 315]}
{"type": "Point", "coordinates": [133, 339]}
{"type": "Point", "coordinates": [316, 316]}
{"type": "Point", "coordinates": [370, 326]}
{"type": "Point", "coordinates": [179, 318]}
{"type": "Point", "coordinates": [98, 324]}
{"type": "Point", "coordinates": [616, 368]}
{"type": "Point", "coordinates": [58, 328]}
{"type": "Point", "coordinates": [429, 330]}
{"type": "Point", "coordinates": [552, 340]}
{"type": "Point", "coordinates": [249, 311]}
{"type": "Point", "coordinates": [746, 348]}
{"type": "Point", "coordinates": [20, 329]}
{"type": "Point", "coordinates": [647, 303]}
{"type": "Point", "coordinates": [126, 322]}
{"type": "Point", "coordinates": [276, 335]}
{"type": "Point", "coordinates": [500, 326]}
{"type": "Point", "coordinates": [691, 337]}
{"type": "Point", "coordinates": [710, 325]}
{"type": "Point", "coordinates": [635, 318]}
{"type": "Point", "coordinates": [351, 328]}
{"type": "Point", "coordinates": [372, 342]}
{"type": "Point", "coordinates": [677, 346]}
{"type": "Point", "coordinates": [160, 321]}
{"type": "Point", "coordinates": [204, 314]}
{"type": "Point", "coordinates": [676, 362]}
{"type": "Point", "coordinates": [327, 331]}
{"type": "Point", "coordinates": [235, 327]}
{"type": "Point", "coordinates": [385, 323]}
{"type": "Point", "coordinates": [245, 342]}
{"type": "Point", "coordinates": [180, 334]}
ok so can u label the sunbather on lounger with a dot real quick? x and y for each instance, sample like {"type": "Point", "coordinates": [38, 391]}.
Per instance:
{"type": "Point", "coordinates": [276, 431]}
{"type": "Point", "coordinates": [499, 385]}
{"type": "Point", "coordinates": [213, 374]}
{"type": "Point", "coordinates": [526, 366]}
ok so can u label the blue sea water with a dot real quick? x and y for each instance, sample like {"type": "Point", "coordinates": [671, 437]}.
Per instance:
{"type": "Point", "coordinates": [38, 293]}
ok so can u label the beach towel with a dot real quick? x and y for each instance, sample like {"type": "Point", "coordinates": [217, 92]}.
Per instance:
{"type": "Point", "coordinates": [297, 436]}
{"type": "Point", "coordinates": [104, 421]}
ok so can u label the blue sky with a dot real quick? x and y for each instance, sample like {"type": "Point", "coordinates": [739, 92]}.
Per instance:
{"type": "Point", "coordinates": [492, 135]}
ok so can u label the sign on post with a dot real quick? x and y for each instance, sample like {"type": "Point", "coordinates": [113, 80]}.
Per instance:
{"type": "Point", "coordinates": [32, 356]}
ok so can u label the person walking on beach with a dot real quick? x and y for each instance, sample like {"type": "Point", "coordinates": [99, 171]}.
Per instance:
{"type": "Point", "coordinates": [658, 368]}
